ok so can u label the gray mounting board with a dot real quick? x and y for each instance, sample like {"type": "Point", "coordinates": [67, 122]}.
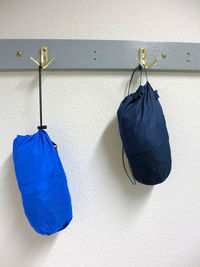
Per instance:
{"type": "Point", "coordinates": [98, 54]}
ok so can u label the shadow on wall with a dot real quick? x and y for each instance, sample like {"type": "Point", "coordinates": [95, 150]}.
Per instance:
{"type": "Point", "coordinates": [132, 198]}
{"type": "Point", "coordinates": [26, 246]}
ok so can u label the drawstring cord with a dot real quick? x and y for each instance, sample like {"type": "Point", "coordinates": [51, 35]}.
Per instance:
{"type": "Point", "coordinates": [138, 68]}
{"type": "Point", "coordinates": [145, 70]}
{"type": "Point", "coordinates": [134, 70]}
{"type": "Point", "coordinates": [40, 103]}
{"type": "Point", "coordinates": [133, 181]}
{"type": "Point", "coordinates": [40, 98]}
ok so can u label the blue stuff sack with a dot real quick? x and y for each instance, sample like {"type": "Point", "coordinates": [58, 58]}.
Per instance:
{"type": "Point", "coordinates": [144, 134]}
{"type": "Point", "coordinates": [42, 183]}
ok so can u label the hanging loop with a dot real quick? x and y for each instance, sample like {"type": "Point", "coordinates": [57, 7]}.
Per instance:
{"type": "Point", "coordinates": [138, 68]}
{"type": "Point", "coordinates": [141, 72]}
{"type": "Point", "coordinates": [40, 98]}
{"type": "Point", "coordinates": [44, 57]}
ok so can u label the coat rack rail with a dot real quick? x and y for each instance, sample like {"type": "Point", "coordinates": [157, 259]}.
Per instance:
{"type": "Point", "coordinates": [70, 54]}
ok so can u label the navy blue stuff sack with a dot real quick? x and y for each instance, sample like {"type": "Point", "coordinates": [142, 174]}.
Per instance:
{"type": "Point", "coordinates": [42, 183]}
{"type": "Point", "coordinates": [144, 135]}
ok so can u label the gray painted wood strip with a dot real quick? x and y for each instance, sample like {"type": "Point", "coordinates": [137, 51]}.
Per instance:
{"type": "Point", "coordinates": [98, 54]}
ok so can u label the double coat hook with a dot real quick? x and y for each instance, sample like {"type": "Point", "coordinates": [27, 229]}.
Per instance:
{"type": "Point", "coordinates": [142, 54]}
{"type": "Point", "coordinates": [44, 57]}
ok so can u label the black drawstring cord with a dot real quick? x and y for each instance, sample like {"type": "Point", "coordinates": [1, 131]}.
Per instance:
{"type": "Point", "coordinates": [40, 99]}
{"type": "Point", "coordinates": [40, 103]}
{"type": "Point", "coordinates": [133, 181]}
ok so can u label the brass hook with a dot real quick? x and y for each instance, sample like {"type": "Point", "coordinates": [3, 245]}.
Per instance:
{"type": "Point", "coordinates": [143, 58]}
{"type": "Point", "coordinates": [44, 56]}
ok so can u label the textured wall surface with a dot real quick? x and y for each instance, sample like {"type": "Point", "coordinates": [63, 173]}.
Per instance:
{"type": "Point", "coordinates": [114, 224]}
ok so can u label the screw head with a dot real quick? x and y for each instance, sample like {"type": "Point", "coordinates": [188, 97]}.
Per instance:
{"type": "Point", "coordinates": [19, 53]}
{"type": "Point", "coordinates": [164, 55]}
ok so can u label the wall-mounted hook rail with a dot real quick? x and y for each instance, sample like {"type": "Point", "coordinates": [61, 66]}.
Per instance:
{"type": "Point", "coordinates": [98, 54]}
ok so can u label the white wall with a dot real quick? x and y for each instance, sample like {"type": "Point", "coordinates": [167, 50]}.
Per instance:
{"type": "Point", "coordinates": [114, 224]}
